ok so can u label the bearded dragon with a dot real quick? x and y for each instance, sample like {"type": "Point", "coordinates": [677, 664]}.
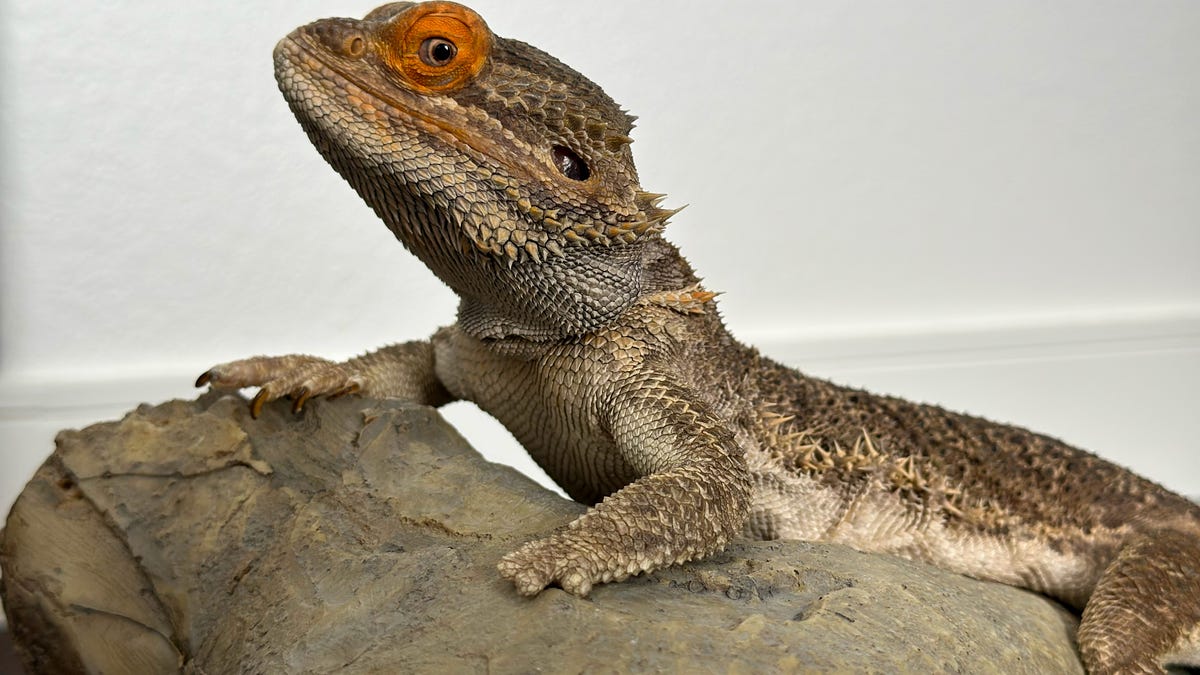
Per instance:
{"type": "Point", "coordinates": [589, 336]}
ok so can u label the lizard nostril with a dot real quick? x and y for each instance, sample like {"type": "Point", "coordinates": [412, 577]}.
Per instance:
{"type": "Point", "coordinates": [341, 37]}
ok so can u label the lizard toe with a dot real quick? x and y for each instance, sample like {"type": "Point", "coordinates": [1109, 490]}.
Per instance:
{"type": "Point", "coordinates": [335, 380]}
{"type": "Point", "coordinates": [257, 371]}
{"type": "Point", "coordinates": [547, 562]}
{"type": "Point", "coordinates": [576, 582]}
{"type": "Point", "coordinates": [529, 573]}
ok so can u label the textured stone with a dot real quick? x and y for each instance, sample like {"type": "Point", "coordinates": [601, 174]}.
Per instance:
{"type": "Point", "coordinates": [363, 536]}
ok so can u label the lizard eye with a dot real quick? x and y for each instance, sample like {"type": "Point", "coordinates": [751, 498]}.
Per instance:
{"type": "Point", "coordinates": [437, 52]}
{"type": "Point", "coordinates": [436, 47]}
{"type": "Point", "coordinates": [569, 164]}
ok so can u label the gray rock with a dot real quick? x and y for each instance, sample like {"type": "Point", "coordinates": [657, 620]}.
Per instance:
{"type": "Point", "coordinates": [362, 536]}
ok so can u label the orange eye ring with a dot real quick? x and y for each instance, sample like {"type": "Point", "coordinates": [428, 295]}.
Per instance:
{"type": "Point", "coordinates": [437, 47]}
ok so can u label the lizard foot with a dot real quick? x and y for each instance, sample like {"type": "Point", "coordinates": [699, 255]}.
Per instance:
{"type": "Point", "coordinates": [551, 561]}
{"type": "Point", "coordinates": [298, 376]}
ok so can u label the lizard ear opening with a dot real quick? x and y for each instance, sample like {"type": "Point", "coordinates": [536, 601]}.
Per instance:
{"type": "Point", "coordinates": [437, 47]}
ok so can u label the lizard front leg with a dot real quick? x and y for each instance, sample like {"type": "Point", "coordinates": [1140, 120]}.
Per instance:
{"type": "Point", "coordinates": [402, 371]}
{"type": "Point", "coordinates": [691, 500]}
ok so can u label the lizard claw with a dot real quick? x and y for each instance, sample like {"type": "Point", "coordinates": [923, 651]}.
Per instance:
{"type": "Point", "coordinates": [204, 378]}
{"type": "Point", "coordinates": [302, 397]}
{"type": "Point", "coordinates": [260, 399]}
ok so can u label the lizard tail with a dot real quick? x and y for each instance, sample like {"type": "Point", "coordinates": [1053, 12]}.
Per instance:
{"type": "Point", "coordinates": [1145, 612]}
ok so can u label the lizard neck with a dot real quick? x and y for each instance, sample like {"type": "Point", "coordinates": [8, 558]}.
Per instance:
{"type": "Point", "coordinates": [565, 297]}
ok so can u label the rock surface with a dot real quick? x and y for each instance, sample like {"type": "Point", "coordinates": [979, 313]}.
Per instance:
{"type": "Point", "coordinates": [362, 536]}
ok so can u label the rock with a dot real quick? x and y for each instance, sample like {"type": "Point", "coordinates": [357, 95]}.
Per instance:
{"type": "Point", "coordinates": [363, 536]}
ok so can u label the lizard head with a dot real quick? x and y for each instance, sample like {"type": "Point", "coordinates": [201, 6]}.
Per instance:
{"type": "Point", "coordinates": [508, 173]}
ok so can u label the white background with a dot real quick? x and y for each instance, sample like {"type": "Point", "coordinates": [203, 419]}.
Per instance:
{"type": "Point", "coordinates": [990, 205]}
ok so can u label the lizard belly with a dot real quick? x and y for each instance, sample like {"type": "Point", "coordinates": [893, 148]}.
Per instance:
{"type": "Point", "coordinates": [872, 518]}
{"type": "Point", "coordinates": [551, 416]}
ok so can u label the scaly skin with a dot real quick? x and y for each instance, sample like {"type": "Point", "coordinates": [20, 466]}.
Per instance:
{"type": "Point", "coordinates": [589, 336]}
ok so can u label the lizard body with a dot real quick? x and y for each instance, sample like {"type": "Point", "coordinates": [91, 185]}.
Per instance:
{"type": "Point", "coordinates": [590, 337]}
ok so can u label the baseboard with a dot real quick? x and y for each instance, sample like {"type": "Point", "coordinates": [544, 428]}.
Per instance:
{"type": "Point", "coordinates": [1062, 336]}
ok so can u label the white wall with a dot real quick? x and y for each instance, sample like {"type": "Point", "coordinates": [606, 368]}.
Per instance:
{"type": "Point", "coordinates": [993, 205]}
